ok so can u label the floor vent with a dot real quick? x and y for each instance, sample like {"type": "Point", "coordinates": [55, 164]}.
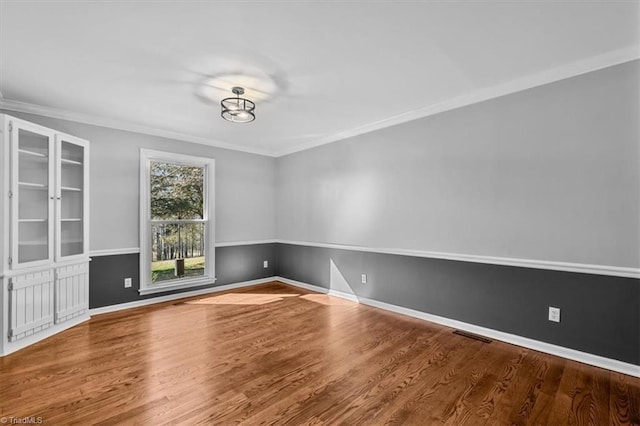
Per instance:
{"type": "Point", "coordinates": [472, 336]}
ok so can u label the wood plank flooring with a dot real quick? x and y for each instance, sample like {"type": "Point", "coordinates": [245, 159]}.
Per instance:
{"type": "Point", "coordinates": [274, 354]}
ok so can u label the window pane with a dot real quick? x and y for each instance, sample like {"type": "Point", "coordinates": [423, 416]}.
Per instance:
{"type": "Point", "coordinates": [178, 251]}
{"type": "Point", "coordinates": [176, 191]}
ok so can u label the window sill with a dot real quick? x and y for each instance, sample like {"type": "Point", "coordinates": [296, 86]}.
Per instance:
{"type": "Point", "coordinates": [182, 284]}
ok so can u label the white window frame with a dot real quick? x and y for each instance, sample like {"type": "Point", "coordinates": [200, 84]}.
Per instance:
{"type": "Point", "coordinates": [146, 285]}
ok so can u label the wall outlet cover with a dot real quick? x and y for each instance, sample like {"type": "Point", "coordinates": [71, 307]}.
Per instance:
{"type": "Point", "coordinates": [554, 314]}
{"type": "Point", "coordinates": [364, 278]}
{"type": "Point", "coordinates": [127, 282]}
{"type": "Point", "coordinates": [265, 264]}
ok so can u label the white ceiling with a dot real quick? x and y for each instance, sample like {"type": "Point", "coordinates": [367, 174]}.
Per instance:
{"type": "Point", "coordinates": [318, 71]}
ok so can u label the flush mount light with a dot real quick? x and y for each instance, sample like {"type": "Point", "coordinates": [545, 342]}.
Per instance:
{"type": "Point", "coordinates": [238, 110]}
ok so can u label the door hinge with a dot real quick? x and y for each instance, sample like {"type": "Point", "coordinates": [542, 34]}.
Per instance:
{"type": "Point", "coordinates": [11, 126]}
{"type": "Point", "coordinates": [10, 334]}
{"type": "Point", "coordinates": [10, 284]}
{"type": "Point", "coordinates": [10, 261]}
{"type": "Point", "coordinates": [10, 194]}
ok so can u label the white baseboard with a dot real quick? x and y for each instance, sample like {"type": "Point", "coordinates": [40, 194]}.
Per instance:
{"type": "Point", "coordinates": [11, 347]}
{"type": "Point", "coordinates": [151, 301]}
{"type": "Point", "coordinates": [318, 289]}
{"type": "Point", "coordinates": [572, 354]}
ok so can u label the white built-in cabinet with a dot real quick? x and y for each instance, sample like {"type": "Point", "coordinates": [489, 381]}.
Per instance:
{"type": "Point", "coordinates": [45, 224]}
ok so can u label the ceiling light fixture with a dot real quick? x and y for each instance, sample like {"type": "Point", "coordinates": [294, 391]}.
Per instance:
{"type": "Point", "coordinates": [238, 110]}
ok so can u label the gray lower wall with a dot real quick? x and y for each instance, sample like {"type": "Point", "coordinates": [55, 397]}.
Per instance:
{"type": "Point", "coordinates": [599, 314]}
{"type": "Point", "coordinates": [233, 264]}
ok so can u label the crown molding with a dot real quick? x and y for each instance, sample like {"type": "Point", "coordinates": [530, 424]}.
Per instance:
{"type": "Point", "coordinates": [95, 120]}
{"type": "Point", "coordinates": [573, 69]}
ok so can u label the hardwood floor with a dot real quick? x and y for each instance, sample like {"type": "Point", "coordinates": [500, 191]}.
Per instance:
{"type": "Point", "coordinates": [275, 354]}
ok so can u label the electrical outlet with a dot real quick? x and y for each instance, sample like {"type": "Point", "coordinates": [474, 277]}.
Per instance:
{"type": "Point", "coordinates": [127, 282]}
{"type": "Point", "coordinates": [364, 278]}
{"type": "Point", "coordinates": [265, 264]}
{"type": "Point", "coordinates": [554, 314]}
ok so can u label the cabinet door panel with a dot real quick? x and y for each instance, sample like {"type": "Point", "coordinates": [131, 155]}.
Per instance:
{"type": "Point", "coordinates": [32, 180]}
{"type": "Point", "coordinates": [71, 208]}
{"type": "Point", "coordinates": [72, 295]}
{"type": "Point", "coordinates": [30, 304]}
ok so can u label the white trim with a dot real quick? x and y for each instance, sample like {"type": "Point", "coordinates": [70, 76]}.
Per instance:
{"type": "Point", "coordinates": [245, 243]}
{"type": "Point", "coordinates": [594, 63]}
{"type": "Point", "coordinates": [572, 354]}
{"type": "Point", "coordinates": [209, 165]}
{"type": "Point", "coordinates": [114, 252]}
{"type": "Point", "coordinates": [136, 250]}
{"type": "Point", "coordinates": [159, 299]}
{"type": "Point", "coordinates": [616, 271]}
{"type": "Point", "coordinates": [111, 123]}
{"type": "Point", "coordinates": [318, 289]}
{"type": "Point", "coordinates": [11, 347]}
{"type": "Point", "coordinates": [177, 284]}
{"type": "Point", "coordinates": [47, 267]}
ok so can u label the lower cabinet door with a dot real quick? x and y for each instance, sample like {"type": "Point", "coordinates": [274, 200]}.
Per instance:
{"type": "Point", "coordinates": [72, 291]}
{"type": "Point", "coordinates": [31, 303]}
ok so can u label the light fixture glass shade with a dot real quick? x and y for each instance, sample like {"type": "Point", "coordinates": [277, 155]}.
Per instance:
{"type": "Point", "coordinates": [238, 110]}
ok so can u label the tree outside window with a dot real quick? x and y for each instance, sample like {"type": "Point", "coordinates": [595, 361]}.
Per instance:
{"type": "Point", "coordinates": [177, 225]}
{"type": "Point", "coordinates": [177, 221]}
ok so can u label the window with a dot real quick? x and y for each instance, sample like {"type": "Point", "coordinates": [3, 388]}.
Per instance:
{"type": "Point", "coordinates": [176, 221]}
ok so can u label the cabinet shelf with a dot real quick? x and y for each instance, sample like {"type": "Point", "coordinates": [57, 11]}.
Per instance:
{"type": "Point", "coordinates": [32, 243]}
{"type": "Point", "coordinates": [70, 188]}
{"type": "Point", "coordinates": [72, 219]}
{"type": "Point", "coordinates": [31, 220]}
{"type": "Point", "coordinates": [73, 162]}
{"type": "Point", "coordinates": [32, 153]}
{"type": "Point", "coordinates": [30, 185]}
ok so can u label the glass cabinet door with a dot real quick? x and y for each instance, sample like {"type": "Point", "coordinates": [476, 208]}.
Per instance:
{"type": "Point", "coordinates": [32, 194]}
{"type": "Point", "coordinates": [71, 195]}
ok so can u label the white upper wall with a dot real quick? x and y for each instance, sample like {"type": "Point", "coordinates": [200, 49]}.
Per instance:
{"type": "Point", "coordinates": [550, 173]}
{"type": "Point", "coordinates": [245, 185]}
